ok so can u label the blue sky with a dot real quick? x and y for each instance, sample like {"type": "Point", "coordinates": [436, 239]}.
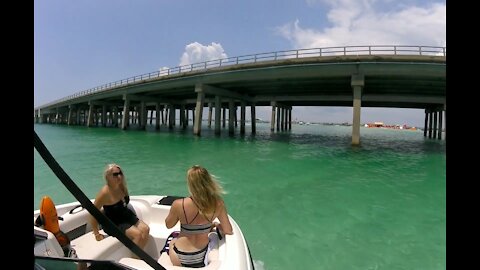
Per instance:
{"type": "Point", "coordinates": [82, 44]}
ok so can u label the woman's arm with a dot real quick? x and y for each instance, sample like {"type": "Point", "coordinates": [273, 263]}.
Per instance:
{"type": "Point", "coordinates": [99, 202]}
{"type": "Point", "coordinates": [172, 218]}
{"type": "Point", "coordinates": [225, 226]}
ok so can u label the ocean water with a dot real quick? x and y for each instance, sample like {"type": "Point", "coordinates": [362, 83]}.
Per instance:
{"type": "Point", "coordinates": [304, 199]}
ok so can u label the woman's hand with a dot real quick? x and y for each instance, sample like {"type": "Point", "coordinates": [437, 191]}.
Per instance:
{"type": "Point", "coordinates": [214, 225]}
{"type": "Point", "coordinates": [99, 237]}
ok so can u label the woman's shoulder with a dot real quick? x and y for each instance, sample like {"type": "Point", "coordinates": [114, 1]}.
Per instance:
{"type": "Point", "coordinates": [104, 191]}
{"type": "Point", "coordinates": [177, 202]}
{"type": "Point", "coordinates": [220, 203]}
{"type": "Point", "coordinates": [102, 195]}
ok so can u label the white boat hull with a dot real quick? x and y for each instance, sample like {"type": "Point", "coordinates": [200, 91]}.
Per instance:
{"type": "Point", "coordinates": [230, 253]}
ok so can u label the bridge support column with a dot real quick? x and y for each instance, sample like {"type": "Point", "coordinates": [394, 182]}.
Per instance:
{"type": "Point", "coordinates": [224, 117]}
{"type": "Point", "coordinates": [171, 116]}
{"type": "Point", "coordinates": [425, 126]}
{"type": "Point", "coordinates": [235, 115]}
{"type": "Point", "coordinates": [435, 124]}
{"type": "Point", "coordinates": [164, 116]}
{"type": "Point", "coordinates": [193, 116]}
{"type": "Point", "coordinates": [183, 116]}
{"type": "Point", "coordinates": [272, 118]}
{"type": "Point", "coordinates": [114, 111]}
{"type": "Point", "coordinates": [126, 112]}
{"type": "Point", "coordinates": [90, 115]}
{"type": "Point", "coordinates": [143, 115]}
{"type": "Point", "coordinates": [290, 118]}
{"type": "Point", "coordinates": [253, 118]}
{"type": "Point", "coordinates": [104, 115]}
{"type": "Point", "coordinates": [430, 124]}
{"type": "Point", "coordinates": [69, 118]}
{"type": "Point", "coordinates": [210, 114]}
{"type": "Point", "coordinates": [40, 119]}
{"type": "Point", "coordinates": [358, 81]}
{"type": "Point", "coordinates": [242, 117]}
{"type": "Point", "coordinates": [278, 117]}
{"type": "Point", "coordinates": [157, 116]}
{"type": "Point", "coordinates": [57, 117]}
{"type": "Point", "coordinates": [218, 114]}
{"type": "Point", "coordinates": [197, 125]}
{"type": "Point", "coordinates": [231, 117]}
{"type": "Point", "coordinates": [445, 121]}
{"type": "Point", "coordinates": [440, 116]}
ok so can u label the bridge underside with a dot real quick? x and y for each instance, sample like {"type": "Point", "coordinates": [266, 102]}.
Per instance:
{"type": "Point", "coordinates": [396, 82]}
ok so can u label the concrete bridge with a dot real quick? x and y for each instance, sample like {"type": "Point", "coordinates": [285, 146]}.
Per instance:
{"type": "Point", "coordinates": [353, 76]}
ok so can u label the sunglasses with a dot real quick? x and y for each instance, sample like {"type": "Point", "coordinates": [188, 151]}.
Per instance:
{"type": "Point", "coordinates": [116, 174]}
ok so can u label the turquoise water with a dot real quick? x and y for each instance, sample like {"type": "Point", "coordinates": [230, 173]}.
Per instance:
{"type": "Point", "coordinates": [305, 199]}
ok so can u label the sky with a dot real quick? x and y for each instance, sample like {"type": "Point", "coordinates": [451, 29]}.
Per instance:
{"type": "Point", "coordinates": [79, 45]}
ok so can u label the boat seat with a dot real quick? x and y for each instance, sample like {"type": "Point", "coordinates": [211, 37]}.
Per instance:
{"type": "Point", "coordinates": [110, 248]}
{"type": "Point", "coordinates": [87, 247]}
{"type": "Point", "coordinates": [164, 260]}
{"type": "Point", "coordinates": [46, 244]}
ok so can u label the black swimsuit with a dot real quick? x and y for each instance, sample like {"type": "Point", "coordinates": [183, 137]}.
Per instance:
{"type": "Point", "coordinates": [120, 215]}
{"type": "Point", "coordinates": [195, 259]}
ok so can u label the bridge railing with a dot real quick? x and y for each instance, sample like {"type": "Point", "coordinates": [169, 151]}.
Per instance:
{"type": "Point", "coordinates": [268, 56]}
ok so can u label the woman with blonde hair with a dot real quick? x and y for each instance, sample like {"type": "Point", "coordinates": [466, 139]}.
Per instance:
{"type": "Point", "coordinates": [196, 214]}
{"type": "Point", "coordinates": [114, 198]}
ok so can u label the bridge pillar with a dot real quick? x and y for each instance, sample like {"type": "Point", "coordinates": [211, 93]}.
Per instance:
{"type": "Point", "coordinates": [290, 118]}
{"type": "Point", "coordinates": [164, 116]}
{"type": "Point", "coordinates": [425, 125]}
{"type": "Point", "coordinates": [143, 115]}
{"type": "Point", "coordinates": [126, 112]}
{"type": "Point", "coordinates": [218, 114]}
{"type": "Point", "coordinates": [104, 115]}
{"type": "Point", "coordinates": [57, 117]}
{"type": "Point", "coordinates": [235, 120]}
{"type": "Point", "coordinates": [445, 121]}
{"type": "Point", "coordinates": [114, 111]}
{"type": "Point", "coordinates": [430, 124]}
{"type": "Point", "coordinates": [183, 116]}
{"type": "Point", "coordinates": [157, 116]}
{"type": "Point", "coordinates": [69, 117]}
{"type": "Point", "coordinates": [187, 117]}
{"type": "Point", "coordinates": [210, 114]}
{"type": "Point", "coordinates": [231, 117]}
{"type": "Point", "coordinates": [197, 125]}
{"type": "Point", "coordinates": [253, 118]}
{"type": "Point", "coordinates": [242, 117]}
{"type": "Point", "coordinates": [224, 117]}
{"type": "Point", "coordinates": [440, 116]}
{"type": "Point", "coordinates": [90, 115]}
{"type": "Point", "coordinates": [36, 115]}
{"type": "Point", "coordinates": [272, 118]}
{"type": "Point", "coordinates": [358, 81]}
{"type": "Point", "coordinates": [171, 116]}
{"type": "Point", "coordinates": [278, 117]}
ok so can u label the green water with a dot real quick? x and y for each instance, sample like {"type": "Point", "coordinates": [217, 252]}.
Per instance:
{"type": "Point", "coordinates": [304, 199]}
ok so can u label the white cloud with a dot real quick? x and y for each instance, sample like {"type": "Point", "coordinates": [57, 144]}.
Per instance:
{"type": "Point", "coordinates": [196, 53]}
{"type": "Point", "coordinates": [363, 23]}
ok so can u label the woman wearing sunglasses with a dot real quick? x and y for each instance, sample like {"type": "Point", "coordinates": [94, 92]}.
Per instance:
{"type": "Point", "coordinates": [114, 198]}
